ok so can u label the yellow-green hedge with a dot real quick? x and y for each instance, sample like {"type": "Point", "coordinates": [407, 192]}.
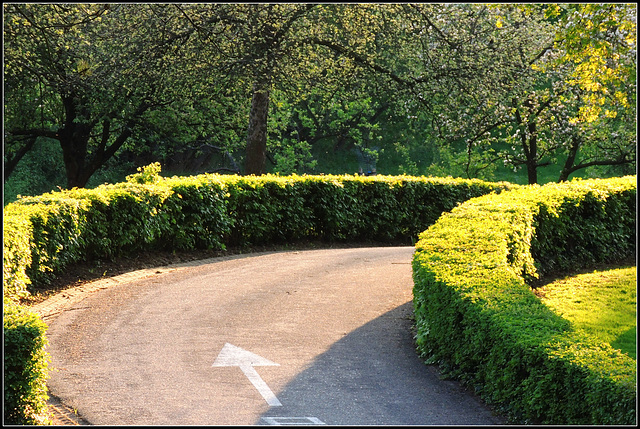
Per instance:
{"type": "Point", "coordinates": [25, 367]}
{"type": "Point", "coordinates": [45, 234]}
{"type": "Point", "coordinates": [477, 317]}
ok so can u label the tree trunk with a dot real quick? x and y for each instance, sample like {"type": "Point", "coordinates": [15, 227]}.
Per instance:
{"type": "Point", "coordinates": [74, 151]}
{"type": "Point", "coordinates": [530, 148]}
{"type": "Point", "coordinates": [571, 159]}
{"type": "Point", "coordinates": [531, 153]}
{"type": "Point", "coordinates": [256, 153]}
{"type": "Point", "coordinates": [532, 172]}
{"type": "Point", "coordinates": [74, 140]}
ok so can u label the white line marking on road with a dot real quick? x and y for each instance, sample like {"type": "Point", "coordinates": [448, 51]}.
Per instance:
{"type": "Point", "coordinates": [259, 384]}
{"type": "Point", "coordinates": [293, 421]}
{"type": "Point", "coordinates": [231, 355]}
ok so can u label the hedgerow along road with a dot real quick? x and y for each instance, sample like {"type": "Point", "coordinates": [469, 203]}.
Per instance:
{"type": "Point", "coordinates": [292, 337]}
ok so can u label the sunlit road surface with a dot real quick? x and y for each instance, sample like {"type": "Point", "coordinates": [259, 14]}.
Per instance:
{"type": "Point", "coordinates": [303, 337]}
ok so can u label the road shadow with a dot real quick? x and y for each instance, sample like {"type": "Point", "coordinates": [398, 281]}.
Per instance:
{"type": "Point", "coordinates": [373, 376]}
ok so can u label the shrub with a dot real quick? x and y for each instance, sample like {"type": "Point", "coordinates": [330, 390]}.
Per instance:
{"type": "Point", "coordinates": [25, 367]}
{"type": "Point", "coordinates": [45, 234]}
{"type": "Point", "coordinates": [477, 317]}
{"type": "Point", "coordinates": [194, 214]}
{"type": "Point", "coordinates": [16, 255]}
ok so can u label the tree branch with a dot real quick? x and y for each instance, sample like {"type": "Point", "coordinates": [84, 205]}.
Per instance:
{"type": "Point", "coordinates": [11, 163]}
{"type": "Point", "coordinates": [34, 132]}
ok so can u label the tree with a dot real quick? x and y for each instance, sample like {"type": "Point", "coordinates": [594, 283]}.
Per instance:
{"type": "Point", "coordinates": [302, 53]}
{"type": "Point", "coordinates": [89, 74]}
{"type": "Point", "coordinates": [253, 42]}
{"type": "Point", "coordinates": [491, 93]}
{"type": "Point", "coordinates": [531, 96]}
{"type": "Point", "coordinates": [343, 105]}
{"type": "Point", "coordinates": [450, 62]}
{"type": "Point", "coordinates": [591, 75]}
{"type": "Point", "coordinates": [598, 42]}
{"type": "Point", "coordinates": [525, 85]}
{"type": "Point", "coordinates": [257, 49]}
{"type": "Point", "coordinates": [29, 99]}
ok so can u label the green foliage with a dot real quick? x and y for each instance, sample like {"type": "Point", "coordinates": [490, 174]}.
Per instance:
{"type": "Point", "coordinates": [194, 214]}
{"type": "Point", "coordinates": [269, 209]}
{"type": "Point", "coordinates": [594, 228]}
{"type": "Point", "coordinates": [16, 255]}
{"type": "Point", "coordinates": [478, 280]}
{"type": "Point", "coordinates": [146, 175]}
{"type": "Point", "coordinates": [448, 89]}
{"type": "Point", "coordinates": [46, 233]}
{"type": "Point", "coordinates": [25, 367]}
{"type": "Point", "coordinates": [89, 76]}
{"type": "Point", "coordinates": [479, 320]}
{"type": "Point", "coordinates": [599, 41]}
{"type": "Point", "coordinates": [41, 170]}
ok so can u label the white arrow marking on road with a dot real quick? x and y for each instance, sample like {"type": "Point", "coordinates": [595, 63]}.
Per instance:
{"type": "Point", "coordinates": [231, 355]}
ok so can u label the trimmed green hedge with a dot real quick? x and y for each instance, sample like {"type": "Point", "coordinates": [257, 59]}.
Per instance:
{"type": "Point", "coordinates": [25, 367]}
{"type": "Point", "coordinates": [478, 318]}
{"type": "Point", "coordinates": [45, 234]}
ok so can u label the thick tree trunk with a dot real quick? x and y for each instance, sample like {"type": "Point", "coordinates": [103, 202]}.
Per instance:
{"type": "Point", "coordinates": [79, 163]}
{"type": "Point", "coordinates": [530, 148]}
{"type": "Point", "coordinates": [74, 152]}
{"type": "Point", "coordinates": [74, 139]}
{"type": "Point", "coordinates": [256, 153]}
{"type": "Point", "coordinates": [532, 172]}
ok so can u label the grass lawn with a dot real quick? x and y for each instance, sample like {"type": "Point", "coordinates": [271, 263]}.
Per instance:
{"type": "Point", "coordinates": [601, 303]}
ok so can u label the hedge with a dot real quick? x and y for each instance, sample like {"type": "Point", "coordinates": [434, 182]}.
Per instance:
{"type": "Point", "coordinates": [478, 318]}
{"type": "Point", "coordinates": [45, 234]}
{"type": "Point", "coordinates": [25, 367]}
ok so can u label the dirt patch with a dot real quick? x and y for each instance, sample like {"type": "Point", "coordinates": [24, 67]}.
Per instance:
{"type": "Point", "coordinates": [62, 415]}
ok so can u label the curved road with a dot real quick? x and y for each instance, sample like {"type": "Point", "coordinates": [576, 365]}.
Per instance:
{"type": "Point", "coordinates": [300, 337]}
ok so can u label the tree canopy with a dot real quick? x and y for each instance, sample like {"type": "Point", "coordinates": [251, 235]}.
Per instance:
{"type": "Point", "coordinates": [460, 89]}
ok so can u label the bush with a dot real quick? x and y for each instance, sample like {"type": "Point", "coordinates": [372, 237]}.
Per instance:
{"type": "Point", "coordinates": [16, 255]}
{"type": "Point", "coordinates": [477, 317]}
{"type": "Point", "coordinates": [25, 367]}
{"type": "Point", "coordinates": [45, 234]}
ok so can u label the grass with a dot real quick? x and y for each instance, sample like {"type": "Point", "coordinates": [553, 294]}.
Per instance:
{"type": "Point", "coordinates": [601, 303]}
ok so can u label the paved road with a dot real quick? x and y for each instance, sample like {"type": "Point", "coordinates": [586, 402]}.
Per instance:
{"type": "Point", "coordinates": [317, 336]}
